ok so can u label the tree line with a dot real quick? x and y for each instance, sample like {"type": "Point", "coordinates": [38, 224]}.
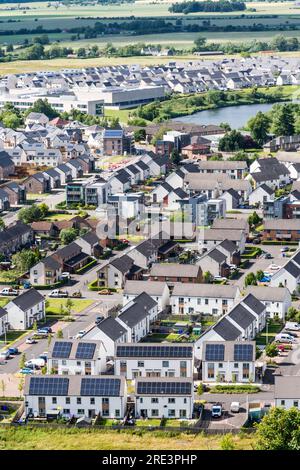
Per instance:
{"type": "Point", "coordinates": [207, 6]}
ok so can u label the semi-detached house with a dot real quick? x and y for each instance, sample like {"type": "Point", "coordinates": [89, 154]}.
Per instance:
{"type": "Point", "coordinates": [25, 310]}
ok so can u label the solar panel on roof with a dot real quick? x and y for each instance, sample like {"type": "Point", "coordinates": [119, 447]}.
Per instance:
{"type": "Point", "coordinates": [55, 386]}
{"type": "Point", "coordinates": [214, 352]}
{"type": "Point", "coordinates": [154, 351]}
{"type": "Point", "coordinates": [243, 352]}
{"type": "Point", "coordinates": [100, 387]}
{"type": "Point", "coordinates": [164, 388]}
{"type": "Point", "coordinates": [62, 349]}
{"type": "Point", "coordinates": [85, 351]}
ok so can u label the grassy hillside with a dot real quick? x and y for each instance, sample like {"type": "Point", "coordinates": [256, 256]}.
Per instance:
{"type": "Point", "coordinates": [71, 439]}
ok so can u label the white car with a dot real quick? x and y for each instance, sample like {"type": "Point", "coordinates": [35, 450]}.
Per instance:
{"type": "Point", "coordinates": [220, 278]}
{"type": "Point", "coordinates": [235, 407]}
{"type": "Point", "coordinates": [80, 334]}
{"type": "Point", "coordinates": [9, 291]}
{"type": "Point", "coordinates": [274, 267]}
{"type": "Point", "coordinates": [31, 341]}
{"type": "Point", "coordinates": [58, 293]}
{"type": "Point", "coordinates": [216, 411]}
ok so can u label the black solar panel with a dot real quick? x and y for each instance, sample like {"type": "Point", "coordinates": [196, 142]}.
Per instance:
{"type": "Point", "coordinates": [100, 387]}
{"type": "Point", "coordinates": [154, 351]}
{"type": "Point", "coordinates": [55, 386]}
{"type": "Point", "coordinates": [164, 388]}
{"type": "Point", "coordinates": [214, 352]}
{"type": "Point", "coordinates": [62, 349]}
{"type": "Point", "coordinates": [243, 352]}
{"type": "Point", "coordinates": [85, 351]}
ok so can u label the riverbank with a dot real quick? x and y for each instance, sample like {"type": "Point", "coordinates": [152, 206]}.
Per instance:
{"type": "Point", "coordinates": [83, 439]}
{"type": "Point", "coordinates": [187, 105]}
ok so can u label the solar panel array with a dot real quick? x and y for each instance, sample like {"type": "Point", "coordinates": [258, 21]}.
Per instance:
{"type": "Point", "coordinates": [164, 388]}
{"type": "Point", "coordinates": [55, 386]}
{"type": "Point", "coordinates": [100, 387]}
{"type": "Point", "coordinates": [243, 352]}
{"type": "Point", "coordinates": [85, 351]}
{"type": "Point", "coordinates": [154, 351]}
{"type": "Point", "coordinates": [62, 349]}
{"type": "Point", "coordinates": [214, 352]}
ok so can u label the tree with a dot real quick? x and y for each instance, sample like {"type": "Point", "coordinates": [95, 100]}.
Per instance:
{"type": "Point", "coordinates": [291, 313]}
{"type": "Point", "coordinates": [11, 120]}
{"type": "Point", "coordinates": [21, 386]}
{"type": "Point", "coordinates": [67, 235]}
{"type": "Point", "coordinates": [283, 120]}
{"type": "Point", "coordinates": [207, 277]}
{"type": "Point", "coordinates": [81, 52]}
{"type": "Point", "coordinates": [139, 134]}
{"type": "Point", "coordinates": [175, 157]}
{"type": "Point", "coordinates": [232, 141]}
{"type": "Point", "coordinates": [59, 334]}
{"type": "Point", "coordinates": [271, 350]}
{"type": "Point", "coordinates": [259, 126]}
{"type": "Point", "coordinates": [69, 305]}
{"type": "Point", "coordinates": [42, 106]}
{"type": "Point", "coordinates": [30, 214]}
{"type": "Point", "coordinates": [22, 361]}
{"type": "Point", "coordinates": [200, 43]}
{"type": "Point", "coordinates": [227, 442]}
{"type": "Point", "coordinates": [254, 219]}
{"type": "Point", "coordinates": [279, 430]}
{"type": "Point", "coordinates": [250, 280]}
{"type": "Point", "coordinates": [35, 326]}
{"type": "Point", "coordinates": [2, 224]}
{"type": "Point", "coordinates": [44, 210]}
{"type": "Point", "coordinates": [24, 260]}
{"type": "Point", "coordinates": [3, 387]}
{"type": "Point", "coordinates": [260, 275]}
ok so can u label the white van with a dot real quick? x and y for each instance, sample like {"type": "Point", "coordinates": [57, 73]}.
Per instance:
{"type": "Point", "coordinates": [292, 326]}
{"type": "Point", "coordinates": [284, 338]}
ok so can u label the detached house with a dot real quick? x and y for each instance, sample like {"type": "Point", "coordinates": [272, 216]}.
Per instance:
{"type": "Point", "coordinates": [46, 272]}
{"type": "Point", "coordinates": [25, 309]}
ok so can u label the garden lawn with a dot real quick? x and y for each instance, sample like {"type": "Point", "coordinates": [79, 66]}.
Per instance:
{"type": "Point", "coordinates": [4, 301]}
{"type": "Point", "coordinates": [60, 217]}
{"type": "Point", "coordinates": [147, 422]}
{"type": "Point", "coordinates": [273, 329]}
{"type": "Point", "coordinates": [79, 305]}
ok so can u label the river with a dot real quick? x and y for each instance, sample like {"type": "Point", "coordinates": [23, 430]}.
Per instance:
{"type": "Point", "coordinates": [236, 116]}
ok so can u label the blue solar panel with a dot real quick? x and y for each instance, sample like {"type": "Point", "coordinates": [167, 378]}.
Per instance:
{"type": "Point", "coordinates": [154, 351]}
{"type": "Point", "coordinates": [243, 352]}
{"type": "Point", "coordinates": [164, 388]}
{"type": "Point", "coordinates": [85, 351]}
{"type": "Point", "coordinates": [62, 349]}
{"type": "Point", "coordinates": [214, 352]}
{"type": "Point", "coordinates": [56, 386]}
{"type": "Point", "coordinates": [100, 387]}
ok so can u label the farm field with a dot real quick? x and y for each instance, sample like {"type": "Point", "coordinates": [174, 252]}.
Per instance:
{"type": "Point", "coordinates": [30, 438]}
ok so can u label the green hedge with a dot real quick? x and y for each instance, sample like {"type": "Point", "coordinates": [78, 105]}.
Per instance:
{"type": "Point", "coordinates": [276, 242]}
{"type": "Point", "coordinates": [234, 389]}
{"type": "Point", "coordinates": [86, 267]}
{"type": "Point", "coordinates": [50, 286]}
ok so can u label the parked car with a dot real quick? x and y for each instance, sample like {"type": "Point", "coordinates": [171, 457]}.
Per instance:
{"type": "Point", "coordinates": [104, 292]}
{"type": "Point", "coordinates": [13, 351]}
{"type": "Point", "coordinates": [42, 333]}
{"type": "Point", "coordinates": [235, 407]}
{"type": "Point", "coordinates": [284, 249]}
{"type": "Point", "coordinates": [284, 338]}
{"type": "Point", "coordinates": [99, 319]}
{"type": "Point", "coordinates": [220, 278]}
{"type": "Point", "coordinates": [216, 411]}
{"type": "Point", "coordinates": [26, 371]}
{"type": "Point", "coordinates": [274, 267]}
{"type": "Point", "coordinates": [4, 355]}
{"type": "Point", "coordinates": [292, 326]}
{"type": "Point", "coordinates": [9, 291]}
{"type": "Point", "coordinates": [80, 334]}
{"type": "Point", "coordinates": [59, 293]}
{"type": "Point", "coordinates": [256, 241]}
{"type": "Point", "coordinates": [38, 362]}
{"type": "Point", "coordinates": [268, 256]}
{"type": "Point", "coordinates": [77, 294]}
{"type": "Point", "coordinates": [26, 285]}
{"type": "Point", "coordinates": [48, 329]}
{"type": "Point", "coordinates": [30, 341]}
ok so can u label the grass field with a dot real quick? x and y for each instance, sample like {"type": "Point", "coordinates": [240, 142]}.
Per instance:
{"type": "Point", "coordinates": [78, 305]}
{"type": "Point", "coordinates": [76, 439]}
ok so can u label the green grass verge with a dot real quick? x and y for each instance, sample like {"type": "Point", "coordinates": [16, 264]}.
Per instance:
{"type": "Point", "coordinates": [273, 329]}
{"type": "Point", "coordinates": [54, 305]}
